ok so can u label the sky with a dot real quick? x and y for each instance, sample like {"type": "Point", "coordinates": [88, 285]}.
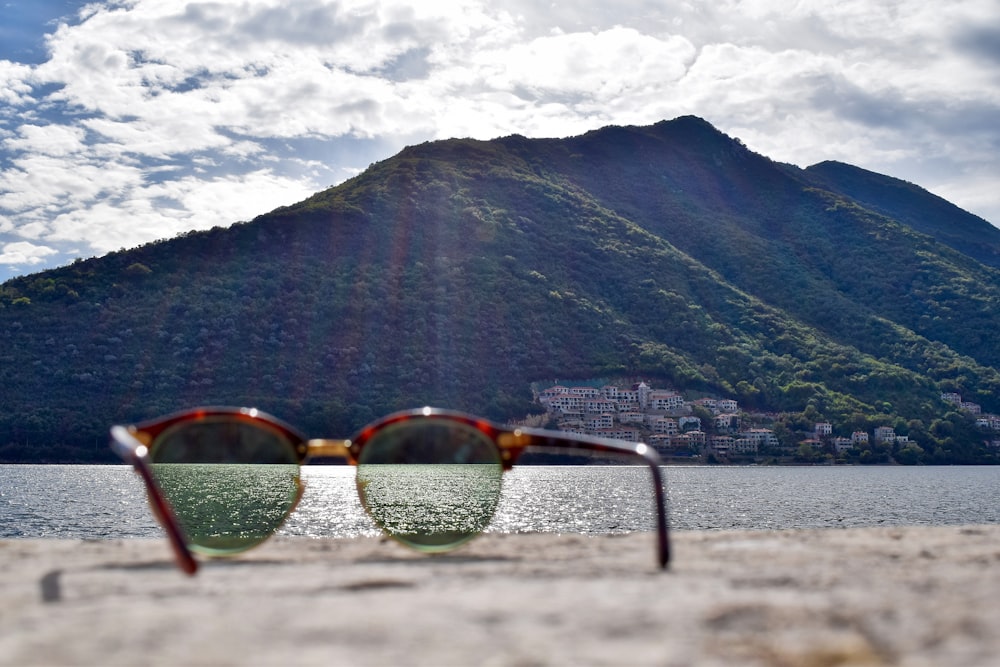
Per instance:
{"type": "Point", "coordinates": [131, 121]}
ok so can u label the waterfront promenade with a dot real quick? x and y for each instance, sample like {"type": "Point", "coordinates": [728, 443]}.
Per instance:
{"type": "Point", "coordinates": [865, 596]}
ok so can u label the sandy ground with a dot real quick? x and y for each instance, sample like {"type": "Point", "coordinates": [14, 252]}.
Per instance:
{"type": "Point", "coordinates": [882, 596]}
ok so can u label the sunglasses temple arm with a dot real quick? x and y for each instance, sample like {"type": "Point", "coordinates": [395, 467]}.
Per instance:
{"type": "Point", "coordinates": [662, 528]}
{"type": "Point", "coordinates": [540, 438]}
{"type": "Point", "coordinates": [133, 452]}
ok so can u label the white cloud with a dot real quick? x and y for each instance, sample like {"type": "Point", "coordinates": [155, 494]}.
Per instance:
{"type": "Point", "coordinates": [172, 207]}
{"type": "Point", "coordinates": [53, 140]}
{"type": "Point", "coordinates": [14, 87]}
{"type": "Point", "coordinates": [24, 253]}
{"type": "Point", "coordinates": [39, 183]}
{"type": "Point", "coordinates": [151, 118]}
{"type": "Point", "coordinates": [604, 65]}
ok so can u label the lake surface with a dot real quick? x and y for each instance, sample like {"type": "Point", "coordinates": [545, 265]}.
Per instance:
{"type": "Point", "coordinates": [79, 501]}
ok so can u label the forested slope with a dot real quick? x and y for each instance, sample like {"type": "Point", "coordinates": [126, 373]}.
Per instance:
{"type": "Point", "coordinates": [458, 272]}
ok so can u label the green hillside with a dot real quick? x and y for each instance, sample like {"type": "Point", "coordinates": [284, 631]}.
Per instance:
{"type": "Point", "coordinates": [458, 272]}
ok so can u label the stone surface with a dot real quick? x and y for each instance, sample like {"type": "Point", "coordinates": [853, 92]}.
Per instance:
{"type": "Point", "coordinates": [876, 596]}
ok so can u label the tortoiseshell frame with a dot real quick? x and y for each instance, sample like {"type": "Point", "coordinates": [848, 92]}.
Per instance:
{"type": "Point", "coordinates": [132, 444]}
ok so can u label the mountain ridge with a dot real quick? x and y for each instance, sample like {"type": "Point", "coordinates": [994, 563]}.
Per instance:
{"type": "Point", "coordinates": [963, 231]}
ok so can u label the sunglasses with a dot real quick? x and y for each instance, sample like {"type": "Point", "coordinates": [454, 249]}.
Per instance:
{"type": "Point", "coordinates": [222, 480]}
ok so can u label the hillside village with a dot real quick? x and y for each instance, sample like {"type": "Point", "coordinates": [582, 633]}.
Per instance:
{"type": "Point", "coordinates": [663, 419]}
{"type": "Point", "coordinates": [988, 423]}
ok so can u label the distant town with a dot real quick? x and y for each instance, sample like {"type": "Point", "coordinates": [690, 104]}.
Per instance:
{"type": "Point", "coordinates": [676, 427]}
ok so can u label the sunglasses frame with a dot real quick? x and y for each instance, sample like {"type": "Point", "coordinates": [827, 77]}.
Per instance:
{"type": "Point", "coordinates": [133, 442]}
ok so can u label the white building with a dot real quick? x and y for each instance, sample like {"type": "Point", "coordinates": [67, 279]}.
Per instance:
{"type": "Point", "coordinates": [642, 394]}
{"type": "Point", "coordinates": [709, 404]}
{"type": "Point", "coordinates": [629, 397]}
{"type": "Point", "coordinates": [842, 445]}
{"type": "Point", "coordinates": [598, 422]}
{"type": "Point", "coordinates": [744, 446]}
{"type": "Point", "coordinates": [728, 405]}
{"type": "Point", "coordinates": [631, 417]}
{"type": "Point", "coordinates": [721, 444]}
{"type": "Point", "coordinates": [885, 434]}
{"type": "Point", "coordinates": [727, 422]}
{"type": "Point", "coordinates": [664, 425]}
{"type": "Point", "coordinates": [600, 405]}
{"type": "Point", "coordinates": [619, 433]}
{"type": "Point", "coordinates": [689, 421]}
{"type": "Point", "coordinates": [761, 437]}
{"type": "Point", "coordinates": [988, 422]}
{"type": "Point", "coordinates": [697, 439]}
{"type": "Point", "coordinates": [664, 401]}
{"type": "Point", "coordinates": [564, 403]}
{"type": "Point", "coordinates": [554, 390]}
{"type": "Point", "coordinates": [611, 392]}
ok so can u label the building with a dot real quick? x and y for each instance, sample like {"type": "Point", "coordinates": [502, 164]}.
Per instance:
{"type": "Point", "coordinates": [689, 422]}
{"type": "Point", "coordinates": [951, 397]}
{"type": "Point", "coordinates": [841, 445]}
{"type": "Point", "coordinates": [709, 404]}
{"type": "Point", "coordinates": [745, 446]}
{"type": "Point", "coordinates": [619, 433]}
{"type": "Point", "coordinates": [696, 439]}
{"type": "Point", "coordinates": [684, 441]}
{"type": "Point", "coordinates": [600, 405]}
{"type": "Point", "coordinates": [885, 434]}
{"type": "Point", "coordinates": [564, 403]}
{"type": "Point", "coordinates": [642, 394]}
{"type": "Point", "coordinates": [727, 422]}
{"type": "Point", "coordinates": [721, 444]}
{"type": "Point", "coordinates": [661, 443]}
{"type": "Point", "coordinates": [631, 417]}
{"type": "Point", "coordinates": [554, 390]}
{"type": "Point", "coordinates": [663, 425]}
{"type": "Point", "coordinates": [611, 392]}
{"type": "Point", "coordinates": [760, 437]}
{"type": "Point", "coordinates": [988, 422]}
{"type": "Point", "coordinates": [664, 401]}
{"type": "Point", "coordinates": [598, 422]}
{"type": "Point", "coordinates": [728, 405]}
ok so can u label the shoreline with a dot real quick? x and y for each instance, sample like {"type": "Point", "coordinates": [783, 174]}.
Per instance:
{"type": "Point", "coordinates": [854, 596]}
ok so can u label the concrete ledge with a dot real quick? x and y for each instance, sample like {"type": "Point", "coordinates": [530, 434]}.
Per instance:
{"type": "Point", "coordinates": [879, 596]}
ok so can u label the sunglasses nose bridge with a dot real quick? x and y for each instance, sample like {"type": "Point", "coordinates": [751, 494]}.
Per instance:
{"type": "Point", "coordinates": [319, 448]}
{"type": "Point", "coordinates": [511, 444]}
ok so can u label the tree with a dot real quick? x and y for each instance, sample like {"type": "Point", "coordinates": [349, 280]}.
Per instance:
{"type": "Point", "coordinates": [910, 454]}
{"type": "Point", "coordinates": [137, 270]}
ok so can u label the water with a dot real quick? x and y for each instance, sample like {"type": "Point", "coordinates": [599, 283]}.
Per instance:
{"type": "Point", "coordinates": [109, 502]}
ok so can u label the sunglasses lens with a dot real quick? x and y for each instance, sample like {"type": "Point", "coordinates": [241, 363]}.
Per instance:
{"type": "Point", "coordinates": [430, 483]}
{"type": "Point", "coordinates": [230, 483]}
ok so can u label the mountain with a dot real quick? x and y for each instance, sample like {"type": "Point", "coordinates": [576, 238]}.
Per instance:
{"type": "Point", "coordinates": [914, 207]}
{"type": "Point", "coordinates": [458, 272]}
